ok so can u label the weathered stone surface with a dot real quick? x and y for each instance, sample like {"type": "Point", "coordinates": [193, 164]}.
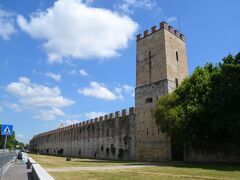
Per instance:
{"type": "Point", "coordinates": [161, 59]}
{"type": "Point", "coordinates": [108, 139]}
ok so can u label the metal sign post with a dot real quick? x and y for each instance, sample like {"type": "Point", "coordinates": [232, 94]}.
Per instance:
{"type": "Point", "coordinates": [6, 131]}
{"type": "Point", "coordinates": [5, 144]}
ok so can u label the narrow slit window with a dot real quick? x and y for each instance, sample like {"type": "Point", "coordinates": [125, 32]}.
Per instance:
{"type": "Point", "coordinates": [150, 66]}
{"type": "Point", "coordinates": [176, 55]}
{"type": "Point", "coordinates": [149, 55]}
{"type": "Point", "coordinates": [176, 82]}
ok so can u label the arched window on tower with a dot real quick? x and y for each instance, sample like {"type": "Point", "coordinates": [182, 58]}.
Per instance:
{"type": "Point", "coordinates": [176, 55]}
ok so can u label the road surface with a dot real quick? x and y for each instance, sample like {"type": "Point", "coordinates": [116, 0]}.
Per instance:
{"type": "Point", "coordinates": [8, 157]}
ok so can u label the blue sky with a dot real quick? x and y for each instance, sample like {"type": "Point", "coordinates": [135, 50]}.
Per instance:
{"type": "Point", "coordinates": [69, 60]}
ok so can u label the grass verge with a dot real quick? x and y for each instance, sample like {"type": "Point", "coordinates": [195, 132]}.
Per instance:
{"type": "Point", "coordinates": [168, 171]}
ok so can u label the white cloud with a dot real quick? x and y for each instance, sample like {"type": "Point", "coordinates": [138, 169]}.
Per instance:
{"type": "Point", "coordinates": [92, 115]}
{"type": "Point", "coordinates": [13, 106]}
{"type": "Point", "coordinates": [32, 94]}
{"type": "Point", "coordinates": [6, 24]}
{"type": "Point", "coordinates": [171, 19]}
{"type": "Point", "coordinates": [71, 29]}
{"type": "Point", "coordinates": [83, 72]}
{"type": "Point", "coordinates": [128, 88]}
{"type": "Point", "coordinates": [119, 92]}
{"type": "Point", "coordinates": [49, 114]}
{"type": "Point", "coordinates": [56, 77]}
{"type": "Point", "coordinates": [44, 101]}
{"type": "Point", "coordinates": [70, 122]}
{"type": "Point", "coordinates": [124, 89]}
{"type": "Point", "coordinates": [127, 6]}
{"type": "Point", "coordinates": [16, 107]}
{"type": "Point", "coordinates": [72, 72]}
{"type": "Point", "coordinates": [98, 90]}
{"type": "Point", "coordinates": [19, 136]}
{"type": "Point", "coordinates": [24, 80]}
{"type": "Point", "coordinates": [89, 2]}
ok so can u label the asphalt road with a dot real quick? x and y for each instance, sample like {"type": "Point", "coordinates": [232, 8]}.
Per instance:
{"type": "Point", "coordinates": [8, 157]}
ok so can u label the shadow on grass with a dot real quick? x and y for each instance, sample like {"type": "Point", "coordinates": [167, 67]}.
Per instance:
{"type": "Point", "coordinates": [108, 161]}
{"type": "Point", "coordinates": [209, 166]}
{"type": "Point", "coordinates": [178, 164]}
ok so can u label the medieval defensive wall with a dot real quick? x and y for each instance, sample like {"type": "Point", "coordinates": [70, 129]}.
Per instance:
{"type": "Point", "coordinates": [161, 63]}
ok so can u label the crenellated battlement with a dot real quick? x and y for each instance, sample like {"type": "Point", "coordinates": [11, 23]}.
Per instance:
{"type": "Point", "coordinates": [117, 115]}
{"type": "Point", "coordinates": [163, 25]}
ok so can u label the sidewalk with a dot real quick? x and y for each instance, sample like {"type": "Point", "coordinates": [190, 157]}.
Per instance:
{"type": "Point", "coordinates": [17, 172]}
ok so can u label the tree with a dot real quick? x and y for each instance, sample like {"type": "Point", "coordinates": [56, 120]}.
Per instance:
{"type": "Point", "coordinates": [204, 109]}
{"type": "Point", "coordinates": [27, 147]}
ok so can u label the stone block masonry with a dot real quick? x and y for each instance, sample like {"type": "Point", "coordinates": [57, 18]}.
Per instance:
{"type": "Point", "coordinates": [161, 63]}
{"type": "Point", "coordinates": [108, 137]}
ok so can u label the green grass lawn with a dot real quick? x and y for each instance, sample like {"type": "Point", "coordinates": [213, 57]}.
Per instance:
{"type": "Point", "coordinates": [168, 171]}
{"type": "Point", "coordinates": [56, 162]}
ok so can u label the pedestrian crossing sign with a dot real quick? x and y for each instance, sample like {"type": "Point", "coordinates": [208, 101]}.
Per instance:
{"type": "Point", "coordinates": [6, 130]}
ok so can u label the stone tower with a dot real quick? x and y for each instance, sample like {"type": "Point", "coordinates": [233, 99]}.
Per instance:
{"type": "Point", "coordinates": [161, 66]}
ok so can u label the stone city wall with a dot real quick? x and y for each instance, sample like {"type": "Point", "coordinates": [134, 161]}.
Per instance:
{"type": "Point", "coordinates": [107, 137]}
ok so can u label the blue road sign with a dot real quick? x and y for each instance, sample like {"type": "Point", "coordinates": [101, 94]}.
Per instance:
{"type": "Point", "coordinates": [6, 130]}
